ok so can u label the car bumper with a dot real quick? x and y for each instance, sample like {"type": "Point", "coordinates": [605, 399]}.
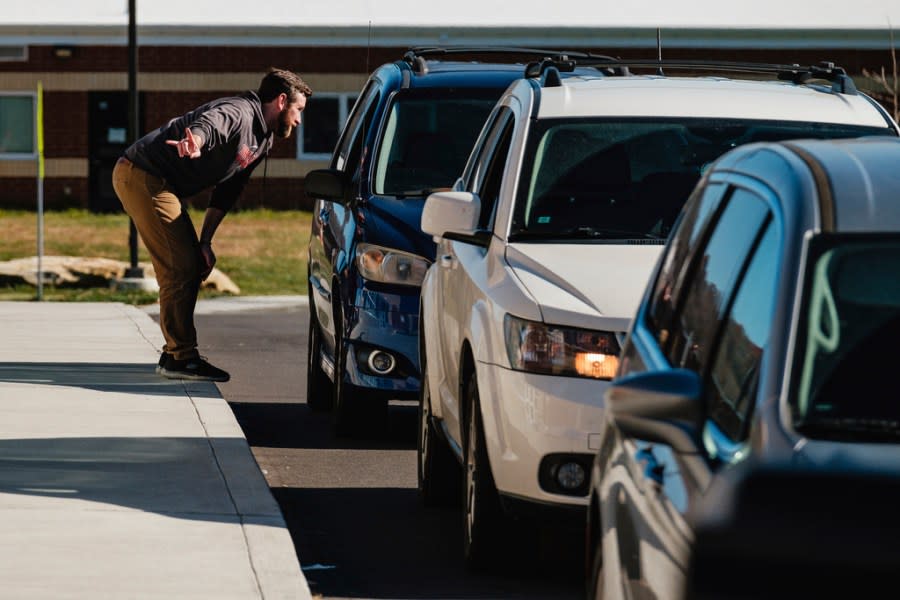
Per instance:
{"type": "Point", "coordinates": [529, 417]}
{"type": "Point", "coordinates": [388, 322]}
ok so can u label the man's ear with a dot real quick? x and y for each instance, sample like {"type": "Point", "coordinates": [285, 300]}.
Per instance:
{"type": "Point", "coordinates": [282, 101]}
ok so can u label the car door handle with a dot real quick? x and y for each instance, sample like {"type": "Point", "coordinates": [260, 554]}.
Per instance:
{"type": "Point", "coordinates": [448, 261]}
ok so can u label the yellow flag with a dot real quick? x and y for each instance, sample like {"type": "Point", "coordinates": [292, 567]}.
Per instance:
{"type": "Point", "coordinates": [40, 129]}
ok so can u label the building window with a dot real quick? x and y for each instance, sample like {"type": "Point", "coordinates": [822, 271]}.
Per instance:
{"type": "Point", "coordinates": [17, 125]}
{"type": "Point", "coordinates": [13, 53]}
{"type": "Point", "coordinates": [323, 118]}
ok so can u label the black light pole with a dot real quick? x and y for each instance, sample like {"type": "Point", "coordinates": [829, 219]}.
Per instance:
{"type": "Point", "coordinates": [133, 127]}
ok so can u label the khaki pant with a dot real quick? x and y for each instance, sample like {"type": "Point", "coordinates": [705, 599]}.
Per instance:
{"type": "Point", "coordinates": [171, 240]}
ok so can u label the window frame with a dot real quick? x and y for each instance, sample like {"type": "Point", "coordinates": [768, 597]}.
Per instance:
{"type": "Point", "coordinates": [486, 165]}
{"type": "Point", "coordinates": [354, 129]}
{"type": "Point", "coordinates": [34, 133]}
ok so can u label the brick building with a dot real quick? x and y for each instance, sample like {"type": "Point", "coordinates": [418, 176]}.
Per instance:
{"type": "Point", "coordinates": [79, 54]}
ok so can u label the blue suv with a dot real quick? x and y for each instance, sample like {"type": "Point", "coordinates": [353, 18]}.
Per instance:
{"type": "Point", "coordinates": [409, 133]}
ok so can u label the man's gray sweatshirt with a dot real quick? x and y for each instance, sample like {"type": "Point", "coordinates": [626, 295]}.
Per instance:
{"type": "Point", "coordinates": [235, 140]}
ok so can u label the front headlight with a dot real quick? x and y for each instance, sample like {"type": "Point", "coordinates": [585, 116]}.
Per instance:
{"type": "Point", "coordinates": [386, 265]}
{"type": "Point", "coordinates": [540, 348]}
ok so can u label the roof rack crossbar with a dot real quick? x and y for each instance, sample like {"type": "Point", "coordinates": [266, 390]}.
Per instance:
{"type": "Point", "coordinates": [841, 82]}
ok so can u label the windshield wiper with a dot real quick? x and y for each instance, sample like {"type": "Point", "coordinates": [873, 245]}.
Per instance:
{"type": "Point", "coordinates": [413, 193]}
{"type": "Point", "coordinates": [584, 231]}
{"type": "Point", "coordinates": [851, 428]}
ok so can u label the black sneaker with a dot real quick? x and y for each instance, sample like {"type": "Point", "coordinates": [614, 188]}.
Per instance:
{"type": "Point", "coordinates": [162, 360]}
{"type": "Point", "coordinates": [195, 369]}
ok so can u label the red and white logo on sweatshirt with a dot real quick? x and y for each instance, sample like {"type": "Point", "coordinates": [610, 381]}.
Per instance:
{"type": "Point", "coordinates": [245, 156]}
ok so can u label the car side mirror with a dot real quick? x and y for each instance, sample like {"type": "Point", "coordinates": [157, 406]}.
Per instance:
{"type": "Point", "coordinates": [328, 184]}
{"type": "Point", "coordinates": [452, 215]}
{"type": "Point", "coordinates": [659, 406]}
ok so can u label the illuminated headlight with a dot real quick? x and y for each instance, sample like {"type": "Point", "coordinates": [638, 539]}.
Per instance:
{"type": "Point", "coordinates": [386, 265]}
{"type": "Point", "coordinates": [540, 348]}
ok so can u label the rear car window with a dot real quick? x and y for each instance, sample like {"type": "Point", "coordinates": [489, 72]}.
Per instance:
{"type": "Point", "coordinates": [846, 386]}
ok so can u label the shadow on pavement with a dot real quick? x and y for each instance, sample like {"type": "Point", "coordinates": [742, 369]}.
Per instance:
{"type": "Point", "coordinates": [295, 425]}
{"type": "Point", "coordinates": [380, 543]}
{"type": "Point", "coordinates": [127, 378]}
{"type": "Point", "coordinates": [176, 476]}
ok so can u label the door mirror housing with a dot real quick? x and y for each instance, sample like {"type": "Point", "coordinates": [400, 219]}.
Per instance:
{"type": "Point", "coordinates": [659, 406]}
{"type": "Point", "coordinates": [452, 215]}
{"type": "Point", "coordinates": [328, 184]}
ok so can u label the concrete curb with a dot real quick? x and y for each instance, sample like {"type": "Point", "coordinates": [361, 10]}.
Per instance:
{"type": "Point", "coordinates": [263, 524]}
{"type": "Point", "coordinates": [238, 303]}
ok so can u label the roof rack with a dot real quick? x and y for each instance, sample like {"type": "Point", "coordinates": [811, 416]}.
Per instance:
{"type": "Point", "coordinates": [841, 83]}
{"type": "Point", "coordinates": [415, 56]}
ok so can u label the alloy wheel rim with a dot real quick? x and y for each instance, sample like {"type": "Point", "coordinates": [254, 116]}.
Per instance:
{"type": "Point", "coordinates": [423, 434]}
{"type": "Point", "coordinates": [470, 482]}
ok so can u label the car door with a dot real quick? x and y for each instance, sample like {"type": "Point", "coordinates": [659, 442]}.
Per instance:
{"type": "Point", "coordinates": [333, 224]}
{"type": "Point", "coordinates": [461, 262]}
{"type": "Point", "coordinates": [713, 313]}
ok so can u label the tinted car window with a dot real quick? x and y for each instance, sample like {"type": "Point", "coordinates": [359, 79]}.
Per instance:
{"type": "Point", "coordinates": [490, 169]}
{"type": "Point", "coordinates": [700, 312]}
{"type": "Point", "coordinates": [608, 179]}
{"type": "Point", "coordinates": [735, 371]}
{"type": "Point", "coordinates": [679, 253]}
{"type": "Point", "coordinates": [427, 139]}
{"type": "Point", "coordinates": [351, 138]}
{"type": "Point", "coordinates": [847, 387]}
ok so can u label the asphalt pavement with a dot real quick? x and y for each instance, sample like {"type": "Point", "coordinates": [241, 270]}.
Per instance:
{"type": "Point", "coordinates": [118, 483]}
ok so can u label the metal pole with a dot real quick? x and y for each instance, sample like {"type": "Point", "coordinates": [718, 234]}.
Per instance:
{"type": "Point", "coordinates": [40, 191]}
{"type": "Point", "coordinates": [133, 126]}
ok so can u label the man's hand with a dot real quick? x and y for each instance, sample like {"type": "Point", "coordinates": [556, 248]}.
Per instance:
{"type": "Point", "coordinates": [208, 260]}
{"type": "Point", "coordinates": [188, 146]}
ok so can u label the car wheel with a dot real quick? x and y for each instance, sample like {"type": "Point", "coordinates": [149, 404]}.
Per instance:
{"type": "Point", "coordinates": [439, 475]}
{"type": "Point", "coordinates": [482, 514]}
{"type": "Point", "coordinates": [318, 385]}
{"type": "Point", "coordinates": [353, 409]}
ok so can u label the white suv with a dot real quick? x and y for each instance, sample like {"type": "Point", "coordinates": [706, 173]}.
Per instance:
{"type": "Point", "coordinates": [545, 245]}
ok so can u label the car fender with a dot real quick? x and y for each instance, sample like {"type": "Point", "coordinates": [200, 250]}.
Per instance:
{"type": "Point", "coordinates": [429, 346]}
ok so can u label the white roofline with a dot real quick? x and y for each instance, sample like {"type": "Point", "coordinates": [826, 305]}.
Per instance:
{"type": "Point", "coordinates": [402, 36]}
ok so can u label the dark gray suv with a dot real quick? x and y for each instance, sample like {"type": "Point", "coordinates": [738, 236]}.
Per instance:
{"type": "Point", "coordinates": [752, 440]}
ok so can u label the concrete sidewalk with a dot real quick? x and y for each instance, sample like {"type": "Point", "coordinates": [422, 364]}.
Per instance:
{"type": "Point", "coordinates": [118, 483]}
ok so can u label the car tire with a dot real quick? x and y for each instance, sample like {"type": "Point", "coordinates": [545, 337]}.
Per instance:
{"type": "Point", "coordinates": [318, 385]}
{"type": "Point", "coordinates": [438, 471]}
{"type": "Point", "coordinates": [354, 409]}
{"type": "Point", "coordinates": [595, 583]}
{"type": "Point", "coordinates": [483, 519]}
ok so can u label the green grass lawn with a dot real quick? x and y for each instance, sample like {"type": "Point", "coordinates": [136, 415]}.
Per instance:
{"type": "Point", "coordinates": [262, 251]}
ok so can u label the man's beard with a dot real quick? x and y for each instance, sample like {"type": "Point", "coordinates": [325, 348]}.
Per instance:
{"type": "Point", "coordinates": [284, 128]}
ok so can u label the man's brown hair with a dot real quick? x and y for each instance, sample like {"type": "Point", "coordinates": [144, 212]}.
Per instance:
{"type": "Point", "coordinates": [280, 81]}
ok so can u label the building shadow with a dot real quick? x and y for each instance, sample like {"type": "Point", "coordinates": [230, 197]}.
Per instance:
{"type": "Point", "coordinates": [127, 378]}
{"type": "Point", "coordinates": [176, 476]}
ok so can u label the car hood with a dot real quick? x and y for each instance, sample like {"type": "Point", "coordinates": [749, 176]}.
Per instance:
{"type": "Point", "coordinates": [395, 223]}
{"type": "Point", "coordinates": [596, 286]}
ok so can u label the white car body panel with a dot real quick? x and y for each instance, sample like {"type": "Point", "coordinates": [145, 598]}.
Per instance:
{"type": "Point", "coordinates": [527, 416]}
{"type": "Point", "coordinates": [585, 285]}
{"type": "Point", "coordinates": [705, 97]}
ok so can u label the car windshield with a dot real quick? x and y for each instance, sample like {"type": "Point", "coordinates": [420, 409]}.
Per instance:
{"type": "Point", "coordinates": [603, 179]}
{"type": "Point", "coordinates": [845, 387]}
{"type": "Point", "coordinates": [427, 138]}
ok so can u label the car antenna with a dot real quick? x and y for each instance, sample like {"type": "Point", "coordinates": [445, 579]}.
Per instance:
{"type": "Point", "coordinates": [659, 70]}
